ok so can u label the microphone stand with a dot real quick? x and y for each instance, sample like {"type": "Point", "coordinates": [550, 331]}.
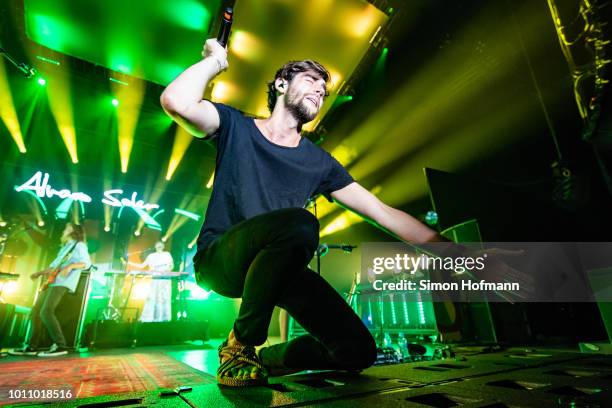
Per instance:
{"type": "Point", "coordinates": [324, 248]}
{"type": "Point", "coordinates": [314, 203]}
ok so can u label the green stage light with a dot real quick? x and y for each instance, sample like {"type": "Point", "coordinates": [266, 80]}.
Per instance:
{"type": "Point", "coordinates": [118, 81]}
{"type": "Point", "coordinates": [42, 81]}
{"type": "Point", "coordinates": [48, 60]}
{"type": "Point", "coordinates": [115, 102]}
{"type": "Point", "coordinates": [342, 99]}
{"type": "Point", "coordinates": [63, 208]}
{"type": "Point", "coordinates": [188, 214]}
{"type": "Point", "coordinates": [37, 198]}
{"type": "Point", "coordinates": [157, 213]}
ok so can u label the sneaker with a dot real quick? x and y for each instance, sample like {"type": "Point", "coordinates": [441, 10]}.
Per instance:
{"type": "Point", "coordinates": [53, 351]}
{"type": "Point", "coordinates": [24, 351]}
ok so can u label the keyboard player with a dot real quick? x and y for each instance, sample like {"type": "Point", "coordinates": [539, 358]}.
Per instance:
{"type": "Point", "coordinates": [158, 305]}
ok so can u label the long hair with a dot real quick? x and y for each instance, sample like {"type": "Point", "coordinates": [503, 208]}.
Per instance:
{"type": "Point", "coordinates": [78, 233]}
{"type": "Point", "coordinates": [289, 71]}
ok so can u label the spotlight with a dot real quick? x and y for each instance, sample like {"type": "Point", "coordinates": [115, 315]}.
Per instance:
{"type": "Point", "coordinates": [2, 224]}
{"type": "Point", "coordinates": [137, 233]}
{"type": "Point", "coordinates": [141, 290]}
{"type": "Point", "coordinates": [41, 223]}
{"type": "Point", "coordinates": [164, 239]}
{"type": "Point", "coordinates": [42, 81]}
{"type": "Point", "coordinates": [10, 287]}
{"type": "Point", "coordinates": [115, 102]}
{"type": "Point", "coordinates": [107, 228]}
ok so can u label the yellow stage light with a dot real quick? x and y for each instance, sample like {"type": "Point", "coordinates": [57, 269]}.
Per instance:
{"type": "Point", "coordinates": [193, 242]}
{"type": "Point", "coordinates": [60, 102]}
{"type": "Point", "coordinates": [345, 219]}
{"type": "Point", "coordinates": [341, 222]}
{"type": "Point", "coordinates": [246, 46]}
{"type": "Point", "coordinates": [10, 287]}
{"type": "Point", "coordinates": [432, 108]}
{"type": "Point", "coordinates": [211, 180]}
{"type": "Point", "coordinates": [7, 110]}
{"type": "Point", "coordinates": [345, 154]}
{"type": "Point", "coordinates": [107, 215]}
{"type": "Point", "coordinates": [361, 24]}
{"type": "Point", "coordinates": [131, 98]}
{"type": "Point", "coordinates": [182, 140]}
{"type": "Point", "coordinates": [224, 91]}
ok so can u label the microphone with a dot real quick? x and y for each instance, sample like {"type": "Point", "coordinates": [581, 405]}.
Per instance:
{"type": "Point", "coordinates": [324, 248]}
{"type": "Point", "coordinates": [348, 248]}
{"type": "Point", "coordinates": [226, 26]}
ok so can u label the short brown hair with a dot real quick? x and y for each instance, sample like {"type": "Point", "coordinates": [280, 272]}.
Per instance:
{"type": "Point", "coordinates": [289, 71]}
{"type": "Point", "coordinates": [78, 233]}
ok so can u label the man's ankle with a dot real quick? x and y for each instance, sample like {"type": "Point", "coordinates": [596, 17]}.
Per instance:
{"type": "Point", "coordinates": [231, 339]}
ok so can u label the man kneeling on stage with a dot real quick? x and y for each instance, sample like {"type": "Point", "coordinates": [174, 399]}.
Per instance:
{"type": "Point", "coordinates": [257, 238]}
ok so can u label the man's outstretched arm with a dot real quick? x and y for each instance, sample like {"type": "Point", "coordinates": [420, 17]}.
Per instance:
{"type": "Point", "coordinates": [182, 98]}
{"type": "Point", "coordinates": [404, 226]}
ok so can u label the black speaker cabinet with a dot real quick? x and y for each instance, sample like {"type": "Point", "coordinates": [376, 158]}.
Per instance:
{"type": "Point", "coordinates": [175, 332]}
{"type": "Point", "coordinates": [110, 334]}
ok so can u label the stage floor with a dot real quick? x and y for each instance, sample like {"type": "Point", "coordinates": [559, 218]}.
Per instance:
{"type": "Point", "coordinates": [146, 376]}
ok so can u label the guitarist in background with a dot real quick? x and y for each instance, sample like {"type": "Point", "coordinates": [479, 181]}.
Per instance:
{"type": "Point", "coordinates": [62, 276]}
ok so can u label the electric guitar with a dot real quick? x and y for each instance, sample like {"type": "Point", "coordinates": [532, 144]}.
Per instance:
{"type": "Point", "coordinates": [51, 273]}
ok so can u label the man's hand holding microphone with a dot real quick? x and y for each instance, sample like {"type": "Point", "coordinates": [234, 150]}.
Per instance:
{"type": "Point", "coordinates": [213, 50]}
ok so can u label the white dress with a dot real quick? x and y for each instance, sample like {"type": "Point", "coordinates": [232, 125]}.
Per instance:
{"type": "Point", "coordinates": [158, 306]}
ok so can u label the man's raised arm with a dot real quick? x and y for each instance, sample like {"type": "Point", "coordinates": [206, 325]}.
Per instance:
{"type": "Point", "coordinates": [182, 98]}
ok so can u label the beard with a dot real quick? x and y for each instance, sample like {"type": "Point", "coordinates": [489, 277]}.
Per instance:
{"type": "Point", "coordinates": [301, 110]}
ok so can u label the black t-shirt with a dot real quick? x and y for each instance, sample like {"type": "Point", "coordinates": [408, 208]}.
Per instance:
{"type": "Point", "coordinates": [254, 176]}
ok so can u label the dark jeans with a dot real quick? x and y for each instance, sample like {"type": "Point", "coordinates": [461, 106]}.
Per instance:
{"type": "Point", "coordinates": [264, 260]}
{"type": "Point", "coordinates": [43, 313]}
